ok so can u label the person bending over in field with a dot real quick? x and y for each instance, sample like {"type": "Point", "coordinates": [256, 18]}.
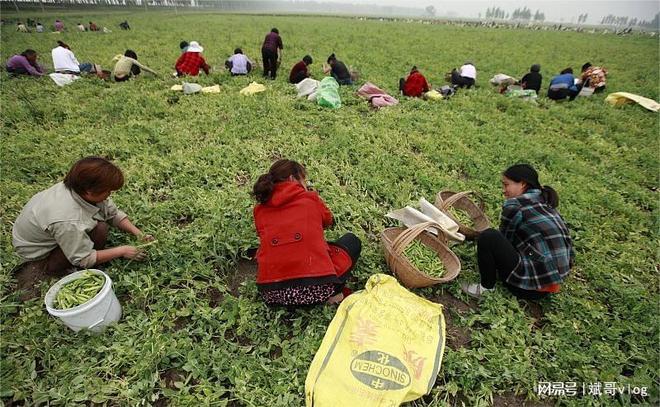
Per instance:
{"type": "Point", "coordinates": [25, 64]}
{"type": "Point", "coordinates": [271, 53]}
{"type": "Point", "coordinates": [300, 71]}
{"type": "Point", "coordinates": [124, 25]}
{"type": "Point", "coordinates": [191, 61]}
{"type": "Point", "coordinates": [127, 65]}
{"type": "Point", "coordinates": [296, 265]}
{"type": "Point", "coordinates": [532, 253]}
{"type": "Point", "coordinates": [59, 26]}
{"type": "Point", "coordinates": [338, 70]}
{"type": "Point", "coordinates": [93, 27]}
{"type": "Point", "coordinates": [20, 27]}
{"type": "Point", "coordinates": [39, 28]}
{"type": "Point", "coordinates": [593, 77]}
{"type": "Point", "coordinates": [239, 64]}
{"type": "Point", "coordinates": [563, 86]}
{"type": "Point", "coordinates": [465, 76]}
{"type": "Point", "coordinates": [532, 79]}
{"type": "Point", "coordinates": [414, 85]}
{"type": "Point", "coordinates": [81, 27]}
{"type": "Point", "coordinates": [66, 225]}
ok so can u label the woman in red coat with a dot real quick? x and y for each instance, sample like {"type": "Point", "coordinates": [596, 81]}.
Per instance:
{"type": "Point", "coordinates": [296, 266]}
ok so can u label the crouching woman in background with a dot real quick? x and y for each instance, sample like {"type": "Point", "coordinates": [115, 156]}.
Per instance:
{"type": "Point", "coordinates": [66, 225]}
{"type": "Point", "coordinates": [296, 265]}
{"type": "Point", "coordinates": [532, 253]}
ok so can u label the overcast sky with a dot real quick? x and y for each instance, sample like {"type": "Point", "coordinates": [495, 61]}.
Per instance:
{"type": "Point", "coordinates": [554, 10]}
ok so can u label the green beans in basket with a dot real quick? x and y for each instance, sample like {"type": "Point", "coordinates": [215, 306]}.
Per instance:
{"type": "Point", "coordinates": [79, 291]}
{"type": "Point", "coordinates": [425, 259]}
{"type": "Point", "coordinates": [461, 216]}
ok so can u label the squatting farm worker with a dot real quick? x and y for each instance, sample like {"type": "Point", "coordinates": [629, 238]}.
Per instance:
{"type": "Point", "coordinates": [593, 77]}
{"type": "Point", "coordinates": [64, 61]}
{"type": "Point", "coordinates": [239, 64]}
{"type": "Point", "coordinates": [191, 61]}
{"type": "Point", "coordinates": [338, 70]}
{"type": "Point", "coordinates": [414, 85]}
{"type": "Point", "coordinates": [563, 86]}
{"type": "Point", "coordinates": [296, 265]}
{"type": "Point", "coordinates": [532, 253]}
{"type": "Point", "coordinates": [66, 225]}
{"type": "Point", "coordinates": [127, 66]}
{"type": "Point", "coordinates": [532, 79]}
{"type": "Point", "coordinates": [25, 64]}
{"type": "Point", "coordinates": [300, 71]}
{"type": "Point", "coordinates": [465, 76]}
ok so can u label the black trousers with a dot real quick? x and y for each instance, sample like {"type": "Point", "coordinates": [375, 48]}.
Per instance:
{"type": "Point", "coordinates": [17, 71]}
{"type": "Point", "coordinates": [497, 258]}
{"type": "Point", "coordinates": [561, 94]}
{"type": "Point", "coordinates": [461, 81]}
{"type": "Point", "coordinates": [351, 244]}
{"type": "Point", "coordinates": [269, 58]}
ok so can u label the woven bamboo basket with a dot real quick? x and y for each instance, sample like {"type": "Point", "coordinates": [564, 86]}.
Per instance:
{"type": "Point", "coordinates": [447, 199]}
{"type": "Point", "coordinates": [395, 240]}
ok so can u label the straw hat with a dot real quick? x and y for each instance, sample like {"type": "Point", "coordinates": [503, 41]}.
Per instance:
{"type": "Point", "coordinates": [194, 47]}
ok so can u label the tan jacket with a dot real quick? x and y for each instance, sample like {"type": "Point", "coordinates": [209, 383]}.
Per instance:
{"type": "Point", "coordinates": [124, 65]}
{"type": "Point", "coordinates": [56, 217]}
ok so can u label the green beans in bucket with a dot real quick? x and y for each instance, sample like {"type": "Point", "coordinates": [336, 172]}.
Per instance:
{"type": "Point", "coordinates": [79, 291]}
{"type": "Point", "coordinates": [425, 259]}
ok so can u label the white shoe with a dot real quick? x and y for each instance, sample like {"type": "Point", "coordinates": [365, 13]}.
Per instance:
{"type": "Point", "coordinates": [475, 290]}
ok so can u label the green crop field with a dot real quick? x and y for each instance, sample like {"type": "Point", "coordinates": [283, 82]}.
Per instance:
{"type": "Point", "coordinates": [194, 331]}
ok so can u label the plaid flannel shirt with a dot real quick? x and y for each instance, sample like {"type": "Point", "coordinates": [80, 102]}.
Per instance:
{"type": "Point", "coordinates": [189, 63]}
{"type": "Point", "coordinates": [541, 237]}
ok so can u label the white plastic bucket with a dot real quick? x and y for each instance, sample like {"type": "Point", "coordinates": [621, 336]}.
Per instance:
{"type": "Point", "coordinates": [96, 314]}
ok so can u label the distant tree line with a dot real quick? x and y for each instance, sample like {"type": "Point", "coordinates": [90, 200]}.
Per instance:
{"type": "Point", "coordinates": [524, 14]}
{"type": "Point", "coordinates": [611, 19]}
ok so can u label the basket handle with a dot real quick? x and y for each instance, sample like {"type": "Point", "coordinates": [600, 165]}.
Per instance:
{"type": "Point", "coordinates": [403, 240]}
{"type": "Point", "coordinates": [446, 203]}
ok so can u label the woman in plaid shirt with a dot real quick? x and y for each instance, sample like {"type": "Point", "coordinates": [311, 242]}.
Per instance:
{"type": "Point", "coordinates": [532, 252]}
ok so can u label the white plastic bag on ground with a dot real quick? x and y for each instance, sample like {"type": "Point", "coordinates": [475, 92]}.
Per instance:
{"type": "Point", "coordinates": [62, 79]}
{"type": "Point", "coordinates": [307, 87]}
{"type": "Point", "coordinates": [189, 88]}
{"type": "Point", "coordinates": [502, 79]}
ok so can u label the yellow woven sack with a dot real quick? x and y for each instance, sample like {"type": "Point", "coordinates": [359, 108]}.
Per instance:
{"type": "Point", "coordinates": [433, 95]}
{"type": "Point", "coordinates": [252, 88]}
{"type": "Point", "coordinates": [383, 348]}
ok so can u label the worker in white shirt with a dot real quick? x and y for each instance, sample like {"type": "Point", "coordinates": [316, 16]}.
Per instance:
{"type": "Point", "coordinates": [239, 64]}
{"type": "Point", "coordinates": [64, 61]}
{"type": "Point", "coordinates": [465, 76]}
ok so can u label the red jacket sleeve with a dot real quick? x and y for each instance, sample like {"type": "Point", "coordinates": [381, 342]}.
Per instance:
{"type": "Point", "coordinates": [326, 215]}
